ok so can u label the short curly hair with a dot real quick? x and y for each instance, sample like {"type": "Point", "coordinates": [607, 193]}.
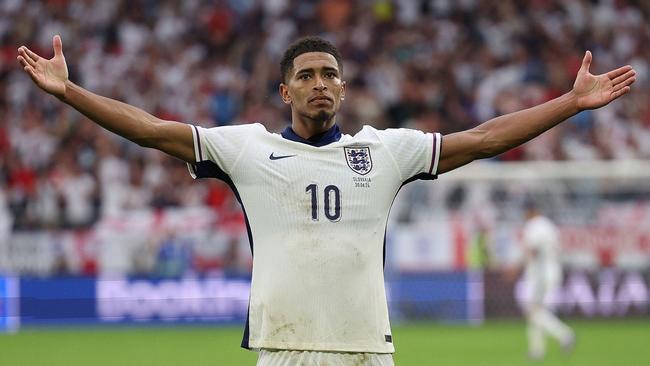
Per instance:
{"type": "Point", "coordinates": [304, 45]}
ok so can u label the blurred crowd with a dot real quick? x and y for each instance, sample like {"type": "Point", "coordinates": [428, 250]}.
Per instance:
{"type": "Point", "coordinates": [433, 65]}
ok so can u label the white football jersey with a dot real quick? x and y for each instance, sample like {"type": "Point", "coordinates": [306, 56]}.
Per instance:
{"type": "Point", "coordinates": [541, 234]}
{"type": "Point", "coordinates": [316, 212]}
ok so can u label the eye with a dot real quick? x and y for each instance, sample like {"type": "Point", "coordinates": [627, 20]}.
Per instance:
{"type": "Point", "coordinates": [304, 77]}
{"type": "Point", "coordinates": [330, 75]}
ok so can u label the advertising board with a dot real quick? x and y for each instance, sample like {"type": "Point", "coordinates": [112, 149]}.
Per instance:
{"type": "Point", "coordinates": [9, 295]}
{"type": "Point", "coordinates": [448, 296]}
{"type": "Point", "coordinates": [601, 293]}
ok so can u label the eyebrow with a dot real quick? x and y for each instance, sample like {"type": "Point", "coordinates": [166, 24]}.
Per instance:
{"type": "Point", "coordinates": [311, 70]}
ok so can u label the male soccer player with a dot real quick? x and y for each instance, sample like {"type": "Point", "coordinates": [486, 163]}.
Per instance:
{"type": "Point", "coordinates": [317, 201]}
{"type": "Point", "coordinates": [542, 277]}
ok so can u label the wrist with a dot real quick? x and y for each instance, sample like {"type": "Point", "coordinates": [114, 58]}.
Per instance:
{"type": "Point", "coordinates": [64, 95]}
{"type": "Point", "coordinates": [572, 102]}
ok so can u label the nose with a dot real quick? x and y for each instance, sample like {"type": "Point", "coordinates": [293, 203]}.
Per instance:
{"type": "Point", "coordinates": [319, 86]}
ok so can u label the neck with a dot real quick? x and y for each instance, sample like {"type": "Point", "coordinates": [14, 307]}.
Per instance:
{"type": "Point", "coordinates": [306, 127]}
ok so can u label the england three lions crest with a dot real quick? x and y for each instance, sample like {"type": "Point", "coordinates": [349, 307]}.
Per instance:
{"type": "Point", "coordinates": [358, 159]}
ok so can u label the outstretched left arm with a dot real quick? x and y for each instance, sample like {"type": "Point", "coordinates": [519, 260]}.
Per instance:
{"type": "Point", "coordinates": [502, 133]}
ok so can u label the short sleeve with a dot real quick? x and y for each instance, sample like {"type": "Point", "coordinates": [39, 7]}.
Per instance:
{"type": "Point", "coordinates": [416, 153]}
{"type": "Point", "coordinates": [217, 149]}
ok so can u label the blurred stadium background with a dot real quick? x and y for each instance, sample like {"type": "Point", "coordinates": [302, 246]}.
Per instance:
{"type": "Point", "coordinates": [111, 254]}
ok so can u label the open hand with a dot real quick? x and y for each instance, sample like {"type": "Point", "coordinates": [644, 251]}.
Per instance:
{"type": "Point", "coordinates": [594, 91]}
{"type": "Point", "coordinates": [50, 75]}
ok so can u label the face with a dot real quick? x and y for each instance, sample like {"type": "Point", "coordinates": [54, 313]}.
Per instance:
{"type": "Point", "coordinates": [314, 88]}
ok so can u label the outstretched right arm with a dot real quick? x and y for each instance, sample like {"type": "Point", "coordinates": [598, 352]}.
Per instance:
{"type": "Point", "coordinates": [173, 138]}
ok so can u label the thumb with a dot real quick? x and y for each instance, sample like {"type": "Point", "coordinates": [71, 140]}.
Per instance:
{"type": "Point", "coordinates": [586, 62]}
{"type": "Point", "coordinates": [58, 46]}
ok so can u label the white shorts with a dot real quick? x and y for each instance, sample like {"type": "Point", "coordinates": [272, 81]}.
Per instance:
{"type": "Point", "coordinates": [540, 291]}
{"type": "Point", "coordinates": [311, 358]}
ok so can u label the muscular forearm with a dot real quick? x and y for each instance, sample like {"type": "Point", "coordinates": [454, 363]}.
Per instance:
{"type": "Point", "coordinates": [171, 137]}
{"type": "Point", "coordinates": [123, 119]}
{"type": "Point", "coordinates": [502, 133]}
{"type": "Point", "coordinates": [505, 132]}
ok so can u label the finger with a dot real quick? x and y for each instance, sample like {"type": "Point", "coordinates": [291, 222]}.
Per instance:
{"type": "Point", "coordinates": [58, 45]}
{"type": "Point", "coordinates": [624, 84]}
{"type": "Point", "coordinates": [26, 61]}
{"type": "Point", "coordinates": [624, 77]}
{"type": "Point", "coordinates": [620, 92]}
{"type": "Point", "coordinates": [27, 52]}
{"type": "Point", "coordinates": [586, 62]}
{"type": "Point", "coordinates": [620, 71]}
{"type": "Point", "coordinates": [31, 72]}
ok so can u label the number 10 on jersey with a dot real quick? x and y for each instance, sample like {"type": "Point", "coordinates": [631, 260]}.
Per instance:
{"type": "Point", "coordinates": [332, 202]}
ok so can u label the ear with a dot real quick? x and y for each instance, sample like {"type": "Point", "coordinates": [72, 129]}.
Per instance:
{"type": "Point", "coordinates": [342, 90]}
{"type": "Point", "coordinates": [284, 93]}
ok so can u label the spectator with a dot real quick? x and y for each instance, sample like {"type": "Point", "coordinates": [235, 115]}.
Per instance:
{"type": "Point", "coordinates": [441, 65]}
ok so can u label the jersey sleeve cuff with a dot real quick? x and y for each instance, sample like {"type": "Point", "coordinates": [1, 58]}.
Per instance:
{"type": "Point", "coordinates": [192, 169]}
{"type": "Point", "coordinates": [435, 154]}
{"type": "Point", "coordinates": [198, 152]}
{"type": "Point", "coordinates": [198, 148]}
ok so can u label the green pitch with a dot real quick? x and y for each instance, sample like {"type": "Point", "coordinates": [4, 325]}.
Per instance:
{"type": "Point", "coordinates": [610, 342]}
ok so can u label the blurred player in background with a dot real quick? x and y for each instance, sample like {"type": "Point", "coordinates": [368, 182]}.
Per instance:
{"type": "Point", "coordinates": [317, 201]}
{"type": "Point", "coordinates": [542, 277]}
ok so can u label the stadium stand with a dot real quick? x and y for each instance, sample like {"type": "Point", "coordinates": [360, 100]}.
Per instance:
{"type": "Point", "coordinates": [431, 65]}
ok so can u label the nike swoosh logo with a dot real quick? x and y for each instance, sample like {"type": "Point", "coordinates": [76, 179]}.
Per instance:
{"type": "Point", "coordinates": [273, 157]}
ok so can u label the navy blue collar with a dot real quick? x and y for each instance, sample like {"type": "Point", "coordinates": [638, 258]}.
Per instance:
{"type": "Point", "coordinates": [322, 139]}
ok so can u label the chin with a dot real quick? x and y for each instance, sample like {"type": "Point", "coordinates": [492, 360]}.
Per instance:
{"type": "Point", "coordinates": [322, 116]}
